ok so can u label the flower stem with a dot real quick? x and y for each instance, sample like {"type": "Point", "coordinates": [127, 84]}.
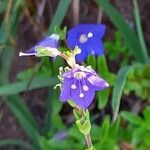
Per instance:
{"type": "Point", "coordinates": [84, 125]}
{"type": "Point", "coordinates": [88, 141]}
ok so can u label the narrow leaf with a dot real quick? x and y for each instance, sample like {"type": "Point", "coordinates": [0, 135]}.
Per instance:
{"type": "Point", "coordinates": [21, 86]}
{"type": "Point", "coordinates": [15, 142]}
{"type": "Point", "coordinates": [103, 70]}
{"type": "Point", "coordinates": [130, 37]}
{"type": "Point", "coordinates": [118, 90]}
{"type": "Point", "coordinates": [59, 14]}
{"type": "Point", "coordinates": [139, 27]}
{"type": "Point", "coordinates": [22, 113]}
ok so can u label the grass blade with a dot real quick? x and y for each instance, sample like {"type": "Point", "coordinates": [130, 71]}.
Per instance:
{"type": "Point", "coordinates": [15, 142]}
{"type": "Point", "coordinates": [59, 14]}
{"type": "Point", "coordinates": [24, 116]}
{"type": "Point", "coordinates": [139, 27]}
{"type": "Point", "coordinates": [130, 37]}
{"type": "Point", "coordinates": [118, 89]}
{"type": "Point", "coordinates": [104, 72]}
{"type": "Point", "coordinates": [21, 86]}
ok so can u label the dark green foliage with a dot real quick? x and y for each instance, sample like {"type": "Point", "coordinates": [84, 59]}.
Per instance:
{"type": "Point", "coordinates": [139, 81]}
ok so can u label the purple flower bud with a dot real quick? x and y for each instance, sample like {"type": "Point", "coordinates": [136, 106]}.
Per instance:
{"type": "Point", "coordinates": [80, 84]}
{"type": "Point", "coordinates": [50, 42]}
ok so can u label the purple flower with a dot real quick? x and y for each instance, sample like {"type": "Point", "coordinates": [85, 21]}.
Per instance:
{"type": "Point", "coordinates": [50, 42]}
{"type": "Point", "coordinates": [80, 84]}
{"type": "Point", "coordinates": [88, 38]}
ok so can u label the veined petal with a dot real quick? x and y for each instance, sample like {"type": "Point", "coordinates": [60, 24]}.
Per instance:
{"type": "Point", "coordinates": [82, 98]}
{"type": "Point", "coordinates": [82, 56]}
{"type": "Point", "coordinates": [87, 37]}
{"type": "Point", "coordinates": [95, 47]}
{"type": "Point", "coordinates": [97, 82]}
{"type": "Point", "coordinates": [50, 41]}
{"type": "Point", "coordinates": [66, 89]}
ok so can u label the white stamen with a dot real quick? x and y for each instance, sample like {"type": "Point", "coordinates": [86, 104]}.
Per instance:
{"type": "Point", "coordinates": [83, 38]}
{"type": "Point", "coordinates": [26, 54]}
{"type": "Point", "coordinates": [79, 51]}
{"type": "Point", "coordinates": [106, 84]}
{"type": "Point", "coordinates": [79, 75]}
{"type": "Point", "coordinates": [81, 95]}
{"type": "Point", "coordinates": [90, 34]}
{"type": "Point", "coordinates": [73, 86]}
{"type": "Point", "coordinates": [85, 88]}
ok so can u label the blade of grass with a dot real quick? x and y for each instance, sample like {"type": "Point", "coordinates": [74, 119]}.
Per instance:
{"type": "Point", "coordinates": [130, 37]}
{"type": "Point", "coordinates": [59, 14]}
{"type": "Point", "coordinates": [139, 27]}
{"type": "Point", "coordinates": [104, 72]}
{"type": "Point", "coordinates": [24, 116]}
{"type": "Point", "coordinates": [21, 86]}
{"type": "Point", "coordinates": [6, 61]}
{"type": "Point", "coordinates": [15, 142]}
{"type": "Point", "coordinates": [118, 90]}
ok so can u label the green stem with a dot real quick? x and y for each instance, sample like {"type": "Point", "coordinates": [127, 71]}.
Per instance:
{"type": "Point", "coordinates": [84, 125]}
{"type": "Point", "coordinates": [88, 141]}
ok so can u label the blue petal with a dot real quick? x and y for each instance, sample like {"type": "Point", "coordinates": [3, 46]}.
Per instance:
{"type": "Point", "coordinates": [97, 82]}
{"type": "Point", "coordinates": [84, 52]}
{"type": "Point", "coordinates": [73, 35]}
{"type": "Point", "coordinates": [66, 88]}
{"type": "Point", "coordinates": [50, 41]}
{"type": "Point", "coordinates": [95, 47]}
{"type": "Point", "coordinates": [88, 95]}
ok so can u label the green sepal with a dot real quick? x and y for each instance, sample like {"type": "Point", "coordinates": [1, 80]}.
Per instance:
{"type": "Point", "coordinates": [91, 148]}
{"type": "Point", "coordinates": [71, 103]}
{"type": "Point", "coordinates": [61, 33]}
{"type": "Point", "coordinates": [83, 123]}
{"type": "Point", "coordinates": [46, 51]}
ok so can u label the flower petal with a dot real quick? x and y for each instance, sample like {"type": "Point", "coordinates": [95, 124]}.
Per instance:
{"type": "Point", "coordinates": [66, 88]}
{"type": "Point", "coordinates": [84, 52]}
{"type": "Point", "coordinates": [84, 101]}
{"type": "Point", "coordinates": [95, 47]}
{"type": "Point", "coordinates": [97, 82]}
{"type": "Point", "coordinates": [50, 41]}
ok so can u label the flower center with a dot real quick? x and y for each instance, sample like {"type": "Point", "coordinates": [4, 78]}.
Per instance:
{"type": "Point", "coordinates": [84, 38]}
{"type": "Point", "coordinates": [79, 75]}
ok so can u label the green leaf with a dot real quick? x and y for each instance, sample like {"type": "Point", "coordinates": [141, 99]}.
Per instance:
{"type": "Point", "coordinates": [118, 89]}
{"type": "Point", "coordinates": [103, 70]}
{"type": "Point", "coordinates": [132, 118]}
{"type": "Point", "coordinates": [21, 86]}
{"type": "Point", "coordinates": [59, 14]}
{"type": "Point", "coordinates": [146, 114]}
{"type": "Point", "coordinates": [3, 33]}
{"type": "Point", "coordinates": [130, 37]}
{"type": "Point", "coordinates": [6, 62]}
{"type": "Point", "coordinates": [54, 107]}
{"type": "Point", "coordinates": [114, 130]}
{"type": "Point", "coordinates": [24, 116]}
{"type": "Point", "coordinates": [138, 135]}
{"type": "Point", "coordinates": [3, 6]}
{"type": "Point", "coordinates": [105, 129]}
{"type": "Point", "coordinates": [91, 61]}
{"type": "Point", "coordinates": [103, 98]}
{"type": "Point", "coordinates": [14, 142]}
{"type": "Point", "coordinates": [102, 66]}
{"type": "Point", "coordinates": [139, 27]}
